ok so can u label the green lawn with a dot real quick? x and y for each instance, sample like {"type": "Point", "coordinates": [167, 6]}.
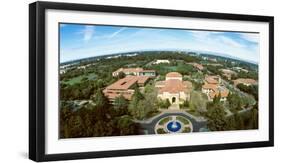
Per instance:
{"type": "Point", "coordinates": [165, 120]}
{"type": "Point", "coordinates": [186, 130]}
{"type": "Point", "coordinates": [78, 79]}
{"type": "Point", "coordinates": [183, 120]}
{"type": "Point", "coordinates": [161, 131]}
{"type": "Point", "coordinates": [171, 68]}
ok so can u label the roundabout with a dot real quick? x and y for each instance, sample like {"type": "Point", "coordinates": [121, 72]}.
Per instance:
{"type": "Point", "coordinates": [172, 122]}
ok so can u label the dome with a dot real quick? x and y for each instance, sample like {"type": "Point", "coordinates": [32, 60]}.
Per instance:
{"type": "Point", "coordinates": [173, 74]}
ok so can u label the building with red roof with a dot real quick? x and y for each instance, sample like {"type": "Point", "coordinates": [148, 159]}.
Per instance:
{"type": "Point", "coordinates": [124, 87]}
{"type": "Point", "coordinates": [245, 81]}
{"type": "Point", "coordinates": [213, 87]}
{"type": "Point", "coordinates": [174, 89]}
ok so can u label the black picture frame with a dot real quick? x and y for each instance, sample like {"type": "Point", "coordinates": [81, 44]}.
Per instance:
{"type": "Point", "coordinates": [37, 79]}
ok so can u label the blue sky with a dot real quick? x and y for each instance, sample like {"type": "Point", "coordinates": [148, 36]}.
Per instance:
{"type": "Point", "coordinates": [82, 41]}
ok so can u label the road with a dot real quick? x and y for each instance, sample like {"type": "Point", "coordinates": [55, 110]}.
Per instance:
{"type": "Point", "coordinates": [241, 93]}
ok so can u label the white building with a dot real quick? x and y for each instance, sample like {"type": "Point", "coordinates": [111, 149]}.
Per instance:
{"type": "Point", "coordinates": [161, 61]}
{"type": "Point", "coordinates": [135, 72]}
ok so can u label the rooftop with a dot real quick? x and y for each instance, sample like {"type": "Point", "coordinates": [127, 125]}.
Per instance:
{"type": "Point", "coordinates": [128, 82]}
{"type": "Point", "coordinates": [212, 79]}
{"type": "Point", "coordinates": [220, 91]}
{"type": "Point", "coordinates": [173, 74]}
{"type": "Point", "coordinates": [209, 86]}
{"type": "Point", "coordinates": [227, 71]}
{"type": "Point", "coordinates": [245, 81]}
{"type": "Point", "coordinates": [176, 86]}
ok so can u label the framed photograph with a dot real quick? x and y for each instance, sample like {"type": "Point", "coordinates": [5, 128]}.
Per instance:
{"type": "Point", "coordinates": [110, 81]}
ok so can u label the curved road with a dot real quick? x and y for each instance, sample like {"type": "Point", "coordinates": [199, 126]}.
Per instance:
{"type": "Point", "coordinates": [147, 127]}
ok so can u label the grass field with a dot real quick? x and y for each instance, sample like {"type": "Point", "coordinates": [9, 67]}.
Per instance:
{"type": "Point", "coordinates": [183, 120]}
{"type": "Point", "coordinates": [78, 79]}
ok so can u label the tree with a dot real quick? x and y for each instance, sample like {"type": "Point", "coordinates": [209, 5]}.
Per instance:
{"type": "Point", "coordinates": [163, 104]}
{"type": "Point", "coordinates": [216, 117]}
{"type": "Point", "coordinates": [252, 89]}
{"type": "Point", "coordinates": [185, 104]}
{"type": "Point", "coordinates": [75, 127]}
{"type": "Point", "coordinates": [134, 103]}
{"type": "Point", "coordinates": [149, 88]}
{"type": "Point", "coordinates": [101, 105]}
{"type": "Point", "coordinates": [138, 95]}
{"type": "Point", "coordinates": [65, 114]}
{"type": "Point", "coordinates": [121, 75]}
{"type": "Point", "coordinates": [254, 119]}
{"type": "Point", "coordinates": [141, 106]}
{"type": "Point", "coordinates": [126, 126]}
{"type": "Point", "coordinates": [121, 105]}
{"type": "Point", "coordinates": [167, 103]}
{"type": "Point", "coordinates": [197, 85]}
{"type": "Point", "coordinates": [217, 99]}
{"type": "Point", "coordinates": [239, 121]}
{"type": "Point", "coordinates": [231, 123]}
{"type": "Point", "coordinates": [234, 101]}
{"type": "Point", "coordinates": [100, 100]}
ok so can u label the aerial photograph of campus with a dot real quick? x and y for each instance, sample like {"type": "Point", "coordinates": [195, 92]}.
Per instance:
{"type": "Point", "coordinates": [122, 80]}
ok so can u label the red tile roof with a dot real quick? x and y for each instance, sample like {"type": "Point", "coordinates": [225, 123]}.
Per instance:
{"type": "Point", "coordinates": [142, 79]}
{"type": "Point", "coordinates": [197, 65]}
{"type": "Point", "coordinates": [223, 93]}
{"type": "Point", "coordinates": [244, 81]}
{"type": "Point", "coordinates": [114, 95]}
{"type": "Point", "coordinates": [127, 82]}
{"type": "Point", "coordinates": [124, 83]}
{"type": "Point", "coordinates": [147, 71]}
{"type": "Point", "coordinates": [176, 86]}
{"type": "Point", "coordinates": [173, 74]}
{"type": "Point", "coordinates": [209, 86]}
{"type": "Point", "coordinates": [211, 79]}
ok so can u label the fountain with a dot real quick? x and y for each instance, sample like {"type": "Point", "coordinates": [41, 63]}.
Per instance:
{"type": "Point", "coordinates": [174, 126]}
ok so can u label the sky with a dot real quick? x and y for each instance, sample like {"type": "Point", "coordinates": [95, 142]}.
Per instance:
{"type": "Point", "coordinates": [82, 41]}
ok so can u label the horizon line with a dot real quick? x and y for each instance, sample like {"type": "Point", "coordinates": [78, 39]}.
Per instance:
{"type": "Point", "coordinates": [181, 50]}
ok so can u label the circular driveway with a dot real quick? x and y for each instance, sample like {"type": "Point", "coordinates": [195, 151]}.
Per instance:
{"type": "Point", "coordinates": [148, 126]}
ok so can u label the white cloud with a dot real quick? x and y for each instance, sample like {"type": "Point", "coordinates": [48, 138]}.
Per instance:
{"type": "Point", "coordinates": [87, 33]}
{"type": "Point", "coordinates": [230, 42]}
{"type": "Point", "coordinates": [200, 35]}
{"type": "Point", "coordinates": [251, 37]}
{"type": "Point", "coordinates": [215, 38]}
{"type": "Point", "coordinates": [117, 32]}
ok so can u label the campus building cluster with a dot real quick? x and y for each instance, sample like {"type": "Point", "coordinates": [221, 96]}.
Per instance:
{"type": "Point", "coordinates": [173, 88]}
{"type": "Point", "coordinates": [212, 87]}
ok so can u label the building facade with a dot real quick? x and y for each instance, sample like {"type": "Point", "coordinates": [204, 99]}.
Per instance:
{"type": "Point", "coordinates": [174, 89]}
{"type": "Point", "coordinates": [135, 72]}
